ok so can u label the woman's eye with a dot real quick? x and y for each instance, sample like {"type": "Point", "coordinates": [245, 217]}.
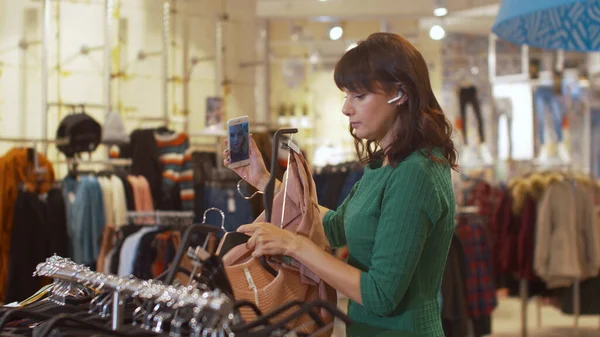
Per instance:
{"type": "Point", "coordinates": [359, 96]}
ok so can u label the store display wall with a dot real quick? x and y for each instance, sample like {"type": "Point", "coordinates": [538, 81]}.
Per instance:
{"type": "Point", "coordinates": [137, 24]}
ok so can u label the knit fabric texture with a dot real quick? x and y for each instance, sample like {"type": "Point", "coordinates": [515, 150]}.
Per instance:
{"type": "Point", "coordinates": [175, 155]}
{"type": "Point", "coordinates": [398, 223]}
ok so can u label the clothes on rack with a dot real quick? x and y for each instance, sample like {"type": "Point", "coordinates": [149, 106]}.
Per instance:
{"type": "Point", "coordinates": [481, 289]}
{"type": "Point", "coordinates": [566, 238]}
{"type": "Point", "coordinates": [145, 160]}
{"type": "Point", "coordinates": [142, 196]}
{"type": "Point", "coordinates": [455, 317]}
{"type": "Point", "coordinates": [99, 202]}
{"type": "Point", "coordinates": [546, 99]}
{"type": "Point", "coordinates": [595, 141]}
{"type": "Point", "coordinates": [16, 174]}
{"type": "Point", "coordinates": [164, 159]}
{"type": "Point", "coordinates": [546, 233]}
{"type": "Point", "coordinates": [334, 183]}
{"type": "Point", "coordinates": [474, 244]}
{"type": "Point", "coordinates": [546, 228]}
{"type": "Point", "coordinates": [175, 156]}
{"type": "Point", "coordinates": [141, 250]}
{"type": "Point", "coordinates": [39, 231]}
{"type": "Point", "coordinates": [86, 217]}
{"type": "Point", "coordinates": [468, 95]}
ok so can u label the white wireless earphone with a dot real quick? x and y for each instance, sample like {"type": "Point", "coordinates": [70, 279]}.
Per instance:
{"type": "Point", "coordinates": [397, 98]}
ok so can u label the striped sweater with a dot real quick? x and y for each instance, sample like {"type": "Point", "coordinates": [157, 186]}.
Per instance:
{"type": "Point", "coordinates": [175, 155]}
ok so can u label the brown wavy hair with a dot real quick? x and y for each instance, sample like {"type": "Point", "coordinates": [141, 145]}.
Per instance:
{"type": "Point", "coordinates": [380, 64]}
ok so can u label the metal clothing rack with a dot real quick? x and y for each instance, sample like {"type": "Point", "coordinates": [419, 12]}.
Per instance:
{"type": "Point", "coordinates": [164, 217]}
{"type": "Point", "coordinates": [64, 269]}
{"type": "Point", "coordinates": [110, 162]}
{"type": "Point", "coordinates": [34, 143]}
{"type": "Point", "coordinates": [523, 284]}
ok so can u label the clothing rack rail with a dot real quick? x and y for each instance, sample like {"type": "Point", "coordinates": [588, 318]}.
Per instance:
{"type": "Point", "coordinates": [34, 142]}
{"type": "Point", "coordinates": [175, 297]}
{"type": "Point", "coordinates": [166, 214]}
{"type": "Point", "coordinates": [111, 162]}
{"type": "Point", "coordinates": [552, 164]}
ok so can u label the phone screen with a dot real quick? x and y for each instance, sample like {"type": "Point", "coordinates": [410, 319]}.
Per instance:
{"type": "Point", "coordinates": [239, 142]}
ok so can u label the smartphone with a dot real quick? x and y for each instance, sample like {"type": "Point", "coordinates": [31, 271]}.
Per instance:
{"type": "Point", "coordinates": [239, 141]}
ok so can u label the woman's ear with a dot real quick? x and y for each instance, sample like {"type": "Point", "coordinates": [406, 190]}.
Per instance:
{"type": "Point", "coordinates": [400, 98]}
{"type": "Point", "coordinates": [403, 98]}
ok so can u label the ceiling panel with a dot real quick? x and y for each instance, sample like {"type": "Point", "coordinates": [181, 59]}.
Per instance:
{"type": "Point", "coordinates": [356, 9]}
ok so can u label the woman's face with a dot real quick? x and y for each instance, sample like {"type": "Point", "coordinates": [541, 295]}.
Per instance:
{"type": "Point", "coordinates": [370, 115]}
{"type": "Point", "coordinates": [237, 138]}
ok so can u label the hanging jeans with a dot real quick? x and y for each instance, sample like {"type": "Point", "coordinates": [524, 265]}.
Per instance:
{"type": "Point", "coordinates": [544, 98]}
{"type": "Point", "coordinates": [503, 107]}
{"type": "Point", "coordinates": [469, 95]}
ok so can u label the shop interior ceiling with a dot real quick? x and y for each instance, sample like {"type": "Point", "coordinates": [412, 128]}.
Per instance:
{"type": "Point", "coordinates": [299, 28]}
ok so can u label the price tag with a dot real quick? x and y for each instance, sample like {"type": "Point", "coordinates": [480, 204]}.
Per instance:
{"type": "Point", "coordinates": [231, 204]}
{"type": "Point", "coordinates": [71, 197]}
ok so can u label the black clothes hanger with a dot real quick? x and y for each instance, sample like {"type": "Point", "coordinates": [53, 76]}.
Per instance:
{"type": "Point", "coordinates": [233, 239]}
{"type": "Point", "coordinates": [263, 320]}
{"type": "Point", "coordinates": [48, 326]}
{"type": "Point", "coordinates": [21, 313]}
{"type": "Point", "coordinates": [180, 270]}
{"type": "Point", "coordinates": [250, 330]}
{"type": "Point", "coordinates": [164, 130]}
{"type": "Point", "coordinates": [244, 303]}
{"type": "Point", "coordinates": [306, 308]}
{"type": "Point", "coordinates": [185, 242]}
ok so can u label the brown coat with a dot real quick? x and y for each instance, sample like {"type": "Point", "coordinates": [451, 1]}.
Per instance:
{"type": "Point", "coordinates": [566, 235]}
{"type": "Point", "coordinates": [16, 171]}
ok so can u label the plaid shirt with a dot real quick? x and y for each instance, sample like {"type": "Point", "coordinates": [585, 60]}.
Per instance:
{"type": "Point", "coordinates": [481, 289]}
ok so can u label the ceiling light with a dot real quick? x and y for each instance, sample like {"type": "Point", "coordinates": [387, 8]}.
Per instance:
{"type": "Point", "coordinates": [440, 11]}
{"type": "Point", "coordinates": [335, 33]}
{"type": "Point", "coordinates": [437, 32]}
{"type": "Point", "coordinates": [314, 58]}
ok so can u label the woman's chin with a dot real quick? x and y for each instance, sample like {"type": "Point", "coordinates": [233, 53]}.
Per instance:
{"type": "Point", "coordinates": [363, 135]}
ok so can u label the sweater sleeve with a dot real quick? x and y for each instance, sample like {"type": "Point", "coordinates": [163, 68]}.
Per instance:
{"type": "Point", "coordinates": [333, 222]}
{"type": "Point", "coordinates": [186, 178]}
{"type": "Point", "coordinates": [409, 206]}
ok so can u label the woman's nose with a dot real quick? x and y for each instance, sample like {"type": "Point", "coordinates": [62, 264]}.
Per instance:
{"type": "Point", "coordinates": [347, 109]}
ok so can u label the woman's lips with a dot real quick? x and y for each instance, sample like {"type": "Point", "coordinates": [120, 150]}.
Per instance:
{"type": "Point", "coordinates": [354, 124]}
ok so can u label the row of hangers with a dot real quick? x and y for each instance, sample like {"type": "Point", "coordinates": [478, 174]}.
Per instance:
{"type": "Point", "coordinates": [154, 306]}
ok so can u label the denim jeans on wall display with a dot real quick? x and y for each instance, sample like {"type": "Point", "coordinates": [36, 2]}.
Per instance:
{"type": "Point", "coordinates": [238, 211]}
{"type": "Point", "coordinates": [468, 95]}
{"type": "Point", "coordinates": [545, 100]}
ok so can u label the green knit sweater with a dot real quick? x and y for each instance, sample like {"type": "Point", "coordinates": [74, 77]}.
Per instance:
{"type": "Point", "coordinates": [398, 224]}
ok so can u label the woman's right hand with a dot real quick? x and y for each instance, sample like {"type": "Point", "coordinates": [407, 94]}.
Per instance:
{"type": "Point", "coordinates": [255, 173]}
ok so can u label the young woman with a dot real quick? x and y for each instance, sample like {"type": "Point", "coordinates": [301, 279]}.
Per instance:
{"type": "Point", "coordinates": [398, 220]}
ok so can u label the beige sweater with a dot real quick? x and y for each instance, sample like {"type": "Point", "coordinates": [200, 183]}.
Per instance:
{"type": "Point", "coordinates": [566, 235]}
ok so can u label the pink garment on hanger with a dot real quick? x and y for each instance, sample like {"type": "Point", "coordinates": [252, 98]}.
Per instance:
{"type": "Point", "coordinates": [142, 198]}
{"type": "Point", "coordinates": [302, 216]}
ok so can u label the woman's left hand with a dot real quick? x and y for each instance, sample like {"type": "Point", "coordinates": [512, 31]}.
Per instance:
{"type": "Point", "coordinates": [268, 239]}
